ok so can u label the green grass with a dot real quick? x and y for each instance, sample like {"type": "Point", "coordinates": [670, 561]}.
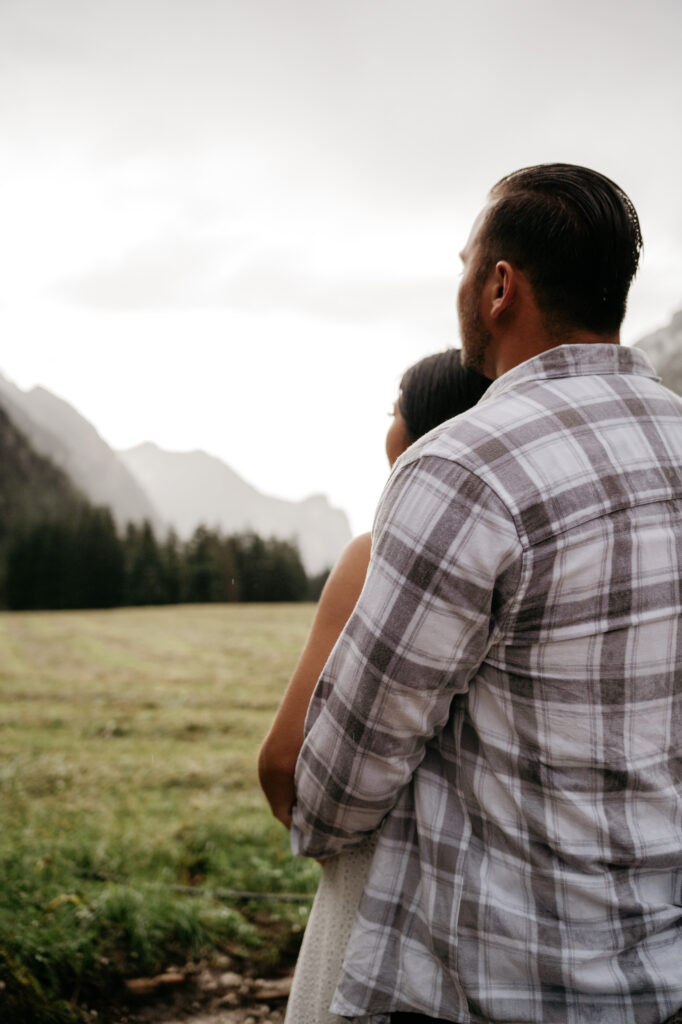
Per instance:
{"type": "Point", "coordinates": [128, 743]}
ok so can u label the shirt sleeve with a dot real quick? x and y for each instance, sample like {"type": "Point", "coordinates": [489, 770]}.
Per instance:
{"type": "Point", "coordinates": [444, 568]}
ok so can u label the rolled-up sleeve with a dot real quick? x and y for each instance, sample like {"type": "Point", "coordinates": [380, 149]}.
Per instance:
{"type": "Point", "coordinates": [444, 549]}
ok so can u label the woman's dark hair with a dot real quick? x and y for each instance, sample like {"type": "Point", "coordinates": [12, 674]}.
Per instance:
{"type": "Point", "coordinates": [575, 234]}
{"type": "Point", "coordinates": [437, 388]}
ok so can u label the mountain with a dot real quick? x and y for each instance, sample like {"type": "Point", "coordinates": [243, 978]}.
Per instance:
{"type": "Point", "coordinates": [190, 488]}
{"type": "Point", "coordinates": [55, 430]}
{"type": "Point", "coordinates": [664, 349]}
{"type": "Point", "coordinates": [31, 487]}
{"type": "Point", "coordinates": [181, 490]}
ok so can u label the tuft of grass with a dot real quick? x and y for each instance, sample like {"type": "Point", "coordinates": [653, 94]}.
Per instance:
{"type": "Point", "coordinates": [23, 998]}
{"type": "Point", "coordinates": [129, 741]}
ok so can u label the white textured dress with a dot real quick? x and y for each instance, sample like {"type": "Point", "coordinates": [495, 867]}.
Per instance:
{"type": "Point", "coordinates": [320, 960]}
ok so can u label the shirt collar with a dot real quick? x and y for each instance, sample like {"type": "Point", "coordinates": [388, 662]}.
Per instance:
{"type": "Point", "coordinates": [574, 361]}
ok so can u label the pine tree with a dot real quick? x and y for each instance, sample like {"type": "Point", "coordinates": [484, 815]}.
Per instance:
{"type": "Point", "coordinates": [146, 578]}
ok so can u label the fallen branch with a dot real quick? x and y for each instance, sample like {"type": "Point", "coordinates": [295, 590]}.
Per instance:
{"type": "Point", "coordinates": [213, 894]}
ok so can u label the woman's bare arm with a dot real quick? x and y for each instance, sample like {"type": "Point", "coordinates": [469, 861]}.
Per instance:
{"type": "Point", "coordinates": [279, 752]}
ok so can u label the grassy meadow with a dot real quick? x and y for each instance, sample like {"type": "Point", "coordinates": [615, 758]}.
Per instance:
{"type": "Point", "coordinates": [128, 795]}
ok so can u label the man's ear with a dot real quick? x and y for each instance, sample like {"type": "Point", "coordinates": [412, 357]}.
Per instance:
{"type": "Point", "coordinates": [503, 288]}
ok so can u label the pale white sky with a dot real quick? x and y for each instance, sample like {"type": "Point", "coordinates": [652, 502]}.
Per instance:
{"type": "Point", "coordinates": [231, 224]}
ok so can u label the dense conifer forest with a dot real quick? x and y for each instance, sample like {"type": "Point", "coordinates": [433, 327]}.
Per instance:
{"type": "Point", "coordinates": [83, 562]}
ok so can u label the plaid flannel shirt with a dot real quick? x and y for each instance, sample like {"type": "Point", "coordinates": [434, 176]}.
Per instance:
{"type": "Point", "coordinates": [505, 706]}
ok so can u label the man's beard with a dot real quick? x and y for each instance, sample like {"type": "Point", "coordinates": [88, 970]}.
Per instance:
{"type": "Point", "coordinates": [475, 336]}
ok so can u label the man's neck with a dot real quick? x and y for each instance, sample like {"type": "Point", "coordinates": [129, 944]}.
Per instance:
{"type": "Point", "coordinates": [515, 350]}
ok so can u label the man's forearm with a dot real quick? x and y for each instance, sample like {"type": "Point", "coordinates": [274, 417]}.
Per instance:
{"type": "Point", "coordinates": [417, 636]}
{"type": "Point", "coordinates": [327, 817]}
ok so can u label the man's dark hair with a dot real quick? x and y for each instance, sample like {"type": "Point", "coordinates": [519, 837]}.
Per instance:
{"type": "Point", "coordinates": [576, 236]}
{"type": "Point", "coordinates": [437, 388]}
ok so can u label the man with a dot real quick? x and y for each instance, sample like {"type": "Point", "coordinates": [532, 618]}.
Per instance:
{"type": "Point", "coordinates": [505, 703]}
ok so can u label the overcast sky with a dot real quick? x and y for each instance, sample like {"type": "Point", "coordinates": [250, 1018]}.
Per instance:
{"type": "Point", "coordinates": [231, 224]}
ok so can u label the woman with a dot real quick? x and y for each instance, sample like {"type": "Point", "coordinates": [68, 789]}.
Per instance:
{"type": "Point", "coordinates": [432, 391]}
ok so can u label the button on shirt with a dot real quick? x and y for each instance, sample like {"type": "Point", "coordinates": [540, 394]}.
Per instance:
{"type": "Point", "coordinates": [505, 706]}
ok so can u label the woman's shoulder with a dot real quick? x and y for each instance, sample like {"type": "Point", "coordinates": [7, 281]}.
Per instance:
{"type": "Point", "coordinates": [347, 578]}
{"type": "Point", "coordinates": [356, 552]}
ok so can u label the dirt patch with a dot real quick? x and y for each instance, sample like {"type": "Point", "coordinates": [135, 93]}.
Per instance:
{"type": "Point", "coordinates": [226, 992]}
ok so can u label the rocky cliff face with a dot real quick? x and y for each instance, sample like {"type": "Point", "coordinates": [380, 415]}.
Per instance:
{"type": "Point", "coordinates": [191, 488]}
{"type": "Point", "coordinates": [664, 349]}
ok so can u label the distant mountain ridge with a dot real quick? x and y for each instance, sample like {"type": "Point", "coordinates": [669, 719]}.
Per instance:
{"type": "Point", "coordinates": [664, 349]}
{"type": "Point", "coordinates": [169, 489]}
{"type": "Point", "coordinates": [191, 488]}
{"type": "Point", "coordinates": [58, 432]}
